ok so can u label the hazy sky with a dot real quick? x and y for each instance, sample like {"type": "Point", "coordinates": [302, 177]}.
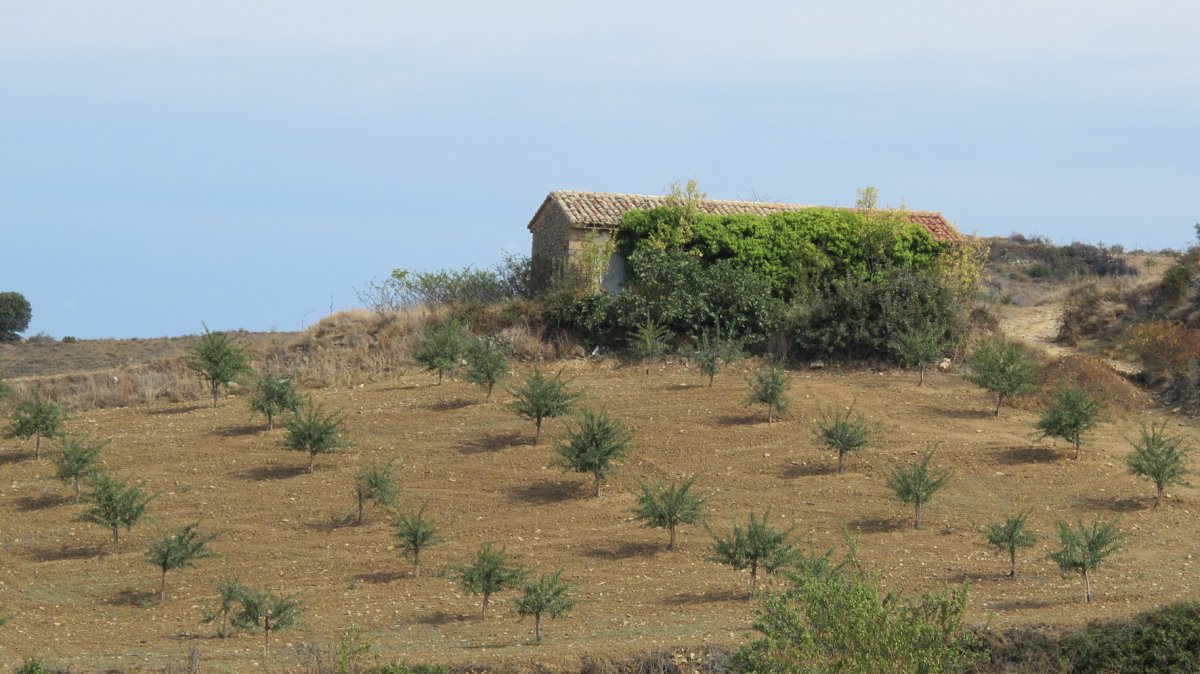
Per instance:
{"type": "Point", "coordinates": [249, 163]}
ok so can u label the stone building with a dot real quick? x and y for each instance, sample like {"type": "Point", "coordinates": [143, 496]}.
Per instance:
{"type": "Point", "coordinates": [568, 221]}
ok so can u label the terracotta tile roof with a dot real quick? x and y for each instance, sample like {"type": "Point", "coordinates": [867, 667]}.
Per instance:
{"type": "Point", "coordinates": [603, 210]}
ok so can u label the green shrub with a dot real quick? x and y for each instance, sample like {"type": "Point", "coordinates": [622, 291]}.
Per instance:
{"type": "Point", "coordinates": [443, 348]}
{"type": "Point", "coordinates": [312, 430]}
{"type": "Point", "coordinates": [1003, 368]}
{"type": "Point", "coordinates": [15, 314]}
{"type": "Point", "coordinates": [38, 418]}
{"type": "Point", "coordinates": [1071, 413]}
{"type": "Point", "coordinates": [1159, 457]}
{"type": "Point", "coordinates": [594, 446]}
{"type": "Point", "coordinates": [272, 395]}
{"type": "Point", "coordinates": [769, 387]}
{"type": "Point", "coordinates": [219, 359]}
{"type": "Point", "coordinates": [404, 289]}
{"type": "Point", "coordinates": [1165, 639]}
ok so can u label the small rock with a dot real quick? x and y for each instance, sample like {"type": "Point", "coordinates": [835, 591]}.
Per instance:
{"type": "Point", "coordinates": [817, 365]}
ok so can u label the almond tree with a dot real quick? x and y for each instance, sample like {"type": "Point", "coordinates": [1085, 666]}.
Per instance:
{"type": "Point", "coordinates": [443, 348]}
{"type": "Point", "coordinates": [179, 550]}
{"type": "Point", "coordinates": [916, 484]}
{"type": "Point", "coordinates": [1003, 368]}
{"type": "Point", "coordinates": [273, 395]}
{"type": "Point", "coordinates": [668, 506]}
{"type": "Point", "coordinates": [540, 397]}
{"type": "Point", "coordinates": [711, 353]}
{"type": "Point", "coordinates": [1009, 536]}
{"type": "Point", "coordinates": [315, 431]}
{"type": "Point", "coordinates": [377, 483]}
{"type": "Point", "coordinates": [490, 572]}
{"type": "Point", "coordinates": [1072, 412]}
{"type": "Point", "coordinates": [918, 347]}
{"type": "Point", "coordinates": [595, 446]}
{"type": "Point", "coordinates": [35, 417]}
{"type": "Point", "coordinates": [116, 505]}
{"type": "Point", "coordinates": [1084, 547]}
{"type": "Point", "coordinates": [649, 342]}
{"type": "Point", "coordinates": [546, 595]}
{"type": "Point", "coordinates": [843, 432]}
{"type": "Point", "coordinates": [77, 459]}
{"type": "Point", "coordinates": [414, 533]}
{"type": "Point", "coordinates": [487, 366]}
{"type": "Point", "coordinates": [218, 359]}
{"type": "Point", "coordinates": [756, 546]}
{"type": "Point", "coordinates": [769, 387]}
{"type": "Point", "coordinates": [265, 610]}
{"type": "Point", "coordinates": [229, 593]}
{"type": "Point", "coordinates": [1159, 457]}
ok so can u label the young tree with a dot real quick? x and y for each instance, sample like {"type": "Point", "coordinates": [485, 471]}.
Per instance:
{"type": "Point", "coordinates": [261, 609]}
{"type": "Point", "coordinates": [918, 347]}
{"type": "Point", "coordinates": [916, 484]}
{"type": "Point", "coordinates": [540, 397]}
{"type": "Point", "coordinates": [487, 366]}
{"type": "Point", "coordinates": [595, 446]}
{"type": "Point", "coordinates": [546, 595]}
{"type": "Point", "coordinates": [443, 348]}
{"type": "Point", "coordinates": [15, 314]}
{"type": "Point", "coordinates": [77, 459]}
{"type": "Point", "coordinates": [414, 533]}
{"type": "Point", "coordinates": [1071, 413]}
{"type": "Point", "coordinates": [229, 593]}
{"type": "Point", "coordinates": [649, 342]}
{"type": "Point", "coordinates": [490, 572]}
{"type": "Point", "coordinates": [1003, 368]}
{"type": "Point", "coordinates": [38, 418]}
{"type": "Point", "coordinates": [218, 359]}
{"type": "Point", "coordinates": [668, 506]}
{"type": "Point", "coordinates": [1159, 457]}
{"type": "Point", "coordinates": [843, 432]}
{"type": "Point", "coordinates": [711, 353]}
{"type": "Point", "coordinates": [756, 546]}
{"type": "Point", "coordinates": [377, 483]}
{"type": "Point", "coordinates": [1084, 547]}
{"type": "Point", "coordinates": [313, 430]}
{"type": "Point", "coordinates": [272, 396]}
{"type": "Point", "coordinates": [116, 505]}
{"type": "Point", "coordinates": [179, 550]}
{"type": "Point", "coordinates": [769, 387]}
{"type": "Point", "coordinates": [1010, 536]}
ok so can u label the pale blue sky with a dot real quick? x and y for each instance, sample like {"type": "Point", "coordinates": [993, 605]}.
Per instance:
{"type": "Point", "coordinates": [247, 164]}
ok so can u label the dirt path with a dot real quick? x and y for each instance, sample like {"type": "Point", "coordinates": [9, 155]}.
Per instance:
{"type": "Point", "coordinates": [1038, 326]}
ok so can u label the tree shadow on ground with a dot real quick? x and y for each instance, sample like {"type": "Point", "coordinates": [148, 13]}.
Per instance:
{"type": "Point", "coordinates": [705, 597]}
{"type": "Point", "coordinates": [14, 457]}
{"type": "Point", "coordinates": [64, 553]}
{"type": "Point", "coordinates": [132, 597]}
{"type": "Point", "coordinates": [1022, 604]}
{"type": "Point", "coordinates": [495, 443]}
{"type": "Point", "coordinates": [443, 618]}
{"type": "Point", "coordinates": [381, 577]}
{"type": "Point", "coordinates": [968, 414]}
{"type": "Point", "coordinates": [545, 493]}
{"type": "Point", "coordinates": [238, 431]}
{"type": "Point", "coordinates": [1114, 504]}
{"type": "Point", "coordinates": [626, 550]}
{"type": "Point", "coordinates": [31, 503]}
{"type": "Point", "coordinates": [794, 470]}
{"type": "Point", "coordinates": [447, 405]}
{"type": "Point", "coordinates": [1017, 456]}
{"type": "Point", "coordinates": [346, 520]}
{"type": "Point", "coordinates": [164, 411]}
{"type": "Point", "coordinates": [878, 525]}
{"type": "Point", "coordinates": [742, 420]}
{"type": "Point", "coordinates": [273, 472]}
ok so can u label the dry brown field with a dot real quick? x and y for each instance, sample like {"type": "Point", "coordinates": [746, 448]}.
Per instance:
{"type": "Point", "coordinates": [76, 603]}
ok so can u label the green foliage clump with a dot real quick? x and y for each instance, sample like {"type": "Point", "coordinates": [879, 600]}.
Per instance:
{"type": "Point", "coordinates": [486, 366]}
{"type": "Point", "coordinates": [229, 591]}
{"type": "Point", "coordinates": [1165, 639]}
{"type": "Point", "coordinates": [375, 482]}
{"type": "Point", "coordinates": [115, 505]}
{"type": "Point", "coordinates": [540, 397]}
{"type": "Point", "coordinates": [769, 387]}
{"type": "Point", "coordinates": [273, 395]}
{"type": "Point", "coordinates": [1003, 368]}
{"type": "Point", "coordinates": [35, 417]}
{"type": "Point", "coordinates": [1160, 457]}
{"type": "Point", "coordinates": [179, 550]}
{"type": "Point", "coordinates": [315, 431]}
{"type": "Point", "coordinates": [33, 666]}
{"type": "Point", "coordinates": [443, 348]}
{"type": "Point", "coordinates": [756, 546]}
{"type": "Point", "coordinates": [842, 621]}
{"type": "Point", "coordinates": [218, 359]}
{"type": "Point", "coordinates": [15, 314]}
{"type": "Point", "coordinates": [265, 610]}
{"type": "Point", "coordinates": [916, 484]}
{"type": "Point", "coordinates": [918, 346]}
{"type": "Point", "coordinates": [1071, 413]}
{"type": "Point", "coordinates": [77, 459]}
{"type": "Point", "coordinates": [1084, 547]}
{"type": "Point", "coordinates": [668, 506]}
{"type": "Point", "coordinates": [650, 341]}
{"type": "Point", "coordinates": [548, 595]}
{"type": "Point", "coordinates": [843, 432]}
{"type": "Point", "coordinates": [490, 572]}
{"type": "Point", "coordinates": [595, 446]}
{"type": "Point", "coordinates": [414, 534]}
{"type": "Point", "coordinates": [404, 289]}
{"type": "Point", "coordinates": [1010, 536]}
{"type": "Point", "coordinates": [711, 353]}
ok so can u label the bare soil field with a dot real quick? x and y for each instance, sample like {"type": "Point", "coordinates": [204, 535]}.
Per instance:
{"type": "Point", "coordinates": [76, 603]}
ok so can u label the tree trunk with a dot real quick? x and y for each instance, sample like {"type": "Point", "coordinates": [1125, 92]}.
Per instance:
{"type": "Point", "coordinates": [537, 627]}
{"type": "Point", "coordinates": [270, 422]}
{"type": "Point", "coordinates": [753, 577]}
{"type": "Point", "coordinates": [417, 564]}
{"type": "Point", "coordinates": [770, 413]}
{"type": "Point", "coordinates": [162, 587]}
{"type": "Point", "coordinates": [360, 509]}
{"type": "Point", "coordinates": [1087, 586]}
{"type": "Point", "coordinates": [916, 514]}
{"type": "Point", "coordinates": [216, 389]}
{"type": "Point", "coordinates": [267, 638]}
{"type": "Point", "coordinates": [596, 493]}
{"type": "Point", "coordinates": [1012, 558]}
{"type": "Point", "coordinates": [1158, 491]}
{"type": "Point", "coordinates": [537, 433]}
{"type": "Point", "coordinates": [1076, 450]}
{"type": "Point", "coordinates": [841, 462]}
{"type": "Point", "coordinates": [312, 457]}
{"type": "Point", "coordinates": [921, 374]}
{"type": "Point", "coordinates": [441, 376]}
{"type": "Point", "coordinates": [483, 613]}
{"type": "Point", "coordinates": [489, 394]}
{"type": "Point", "coordinates": [671, 544]}
{"type": "Point", "coordinates": [116, 539]}
{"type": "Point", "coordinates": [710, 379]}
{"type": "Point", "coordinates": [37, 446]}
{"type": "Point", "coordinates": [999, 402]}
{"type": "Point", "coordinates": [77, 489]}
